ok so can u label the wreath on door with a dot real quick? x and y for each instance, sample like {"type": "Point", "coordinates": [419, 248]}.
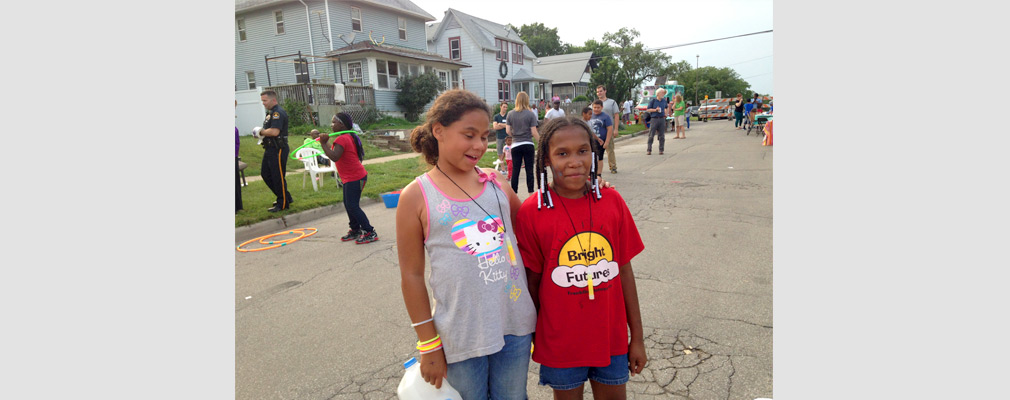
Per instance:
{"type": "Point", "coordinates": [503, 69]}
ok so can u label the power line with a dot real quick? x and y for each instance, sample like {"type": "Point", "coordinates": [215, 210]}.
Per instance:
{"type": "Point", "coordinates": [706, 41]}
{"type": "Point", "coordinates": [741, 62]}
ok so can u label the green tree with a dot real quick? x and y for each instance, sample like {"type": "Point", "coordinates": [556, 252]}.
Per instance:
{"type": "Point", "coordinates": [541, 40]}
{"type": "Point", "coordinates": [627, 65]}
{"type": "Point", "coordinates": [416, 91]}
{"type": "Point", "coordinates": [712, 79]}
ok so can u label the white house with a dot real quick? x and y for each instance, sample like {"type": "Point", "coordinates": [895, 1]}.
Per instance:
{"type": "Point", "coordinates": [501, 63]}
{"type": "Point", "coordinates": [569, 73]}
{"type": "Point", "coordinates": [365, 44]}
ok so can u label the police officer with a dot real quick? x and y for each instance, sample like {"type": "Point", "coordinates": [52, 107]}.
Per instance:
{"type": "Point", "coordinates": [275, 151]}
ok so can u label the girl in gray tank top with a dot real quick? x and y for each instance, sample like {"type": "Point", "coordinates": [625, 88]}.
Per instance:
{"type": "Point", "coordinates": [482, 317]}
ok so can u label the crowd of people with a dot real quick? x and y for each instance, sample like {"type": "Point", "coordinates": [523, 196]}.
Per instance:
{"type": "Point", "coordinates": [504, 293]}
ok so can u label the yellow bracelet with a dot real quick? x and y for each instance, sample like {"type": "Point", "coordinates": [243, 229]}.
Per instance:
{"type": "Point", "coordinates": [430, 346]}
{"type": "Point", "coordinates": [420, 343]}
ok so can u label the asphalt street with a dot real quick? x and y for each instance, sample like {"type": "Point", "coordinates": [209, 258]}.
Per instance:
{"type": "Point", "coordinates": [324, 319]}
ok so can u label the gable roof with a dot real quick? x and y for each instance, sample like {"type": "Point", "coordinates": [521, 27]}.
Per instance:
{"type": "Point", "coordinates": [564, 68]}
{"type": "Point", "coordinates": [482, 31]}
{"type": "Point", "coordinates": [401, 6]}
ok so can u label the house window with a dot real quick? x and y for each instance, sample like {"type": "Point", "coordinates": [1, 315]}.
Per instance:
{"type": "Point", "coordinates": [279, 19]}
{"type": "Point", "coordinates": [388, 73]}
{"type": "Point", "coordinates": [414, 70]}
{"type": "Point", "coordinates": [455, 78]}
{"type": "Point", "coordinates": [444, 78]}
{"type": "Point", "coordinates": [354, 72]}
{"type": "Point", "coordinates": [454, 49]}
{"type": "Point", "coordinates": [251, 78]}
{"type": "Point", "coordinates": [302, 70]}
{"type": "Point", "coordinates": [402, 24]}
{"type": "Point", "coordinates": [504, 94]}
{"type": "Point", "coordinates": [241, 29]}
{"type": "Point", "coordinates": [517, 53]}
{"type": "Point", "coordinates": [355, 19]}
{"type": "Point", "coordinates": [503, 50]}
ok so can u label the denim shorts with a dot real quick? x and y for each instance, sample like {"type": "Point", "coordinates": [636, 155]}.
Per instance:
{"type": "Point", "coordinates": [570, 378]}
{"type": "Point", "coordinates": [501, 375]}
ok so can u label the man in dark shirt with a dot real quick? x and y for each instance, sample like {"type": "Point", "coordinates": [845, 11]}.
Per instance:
{"type": "Point", "coordinates": [499, 129]}
{"type": "Point", "coordinates": [275, 150]}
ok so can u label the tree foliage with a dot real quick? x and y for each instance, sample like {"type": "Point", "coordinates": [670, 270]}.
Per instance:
{"type": "Point", "coordinates": [416, 91]}
{"type": "Point", "coordinates": [712, 79]}
{"type": "Point", "coordinates": [541, 40]}
{"type": "Point", "coordinates": [627, 65]}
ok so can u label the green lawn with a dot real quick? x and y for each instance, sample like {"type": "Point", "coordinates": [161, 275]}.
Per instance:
{"type": "Point", "coordinates": [390, 123]}
{"type": "Point", "coordinates": [382, 178]}
{"type": "Point", "coordinates": [252, 153]}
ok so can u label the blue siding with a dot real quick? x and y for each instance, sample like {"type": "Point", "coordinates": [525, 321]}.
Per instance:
{"type": "Point", "coordinates": [261, 39]}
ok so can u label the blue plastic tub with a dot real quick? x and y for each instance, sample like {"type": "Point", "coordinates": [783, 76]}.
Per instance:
{"type": "Point", "coordinates": [391, 199]}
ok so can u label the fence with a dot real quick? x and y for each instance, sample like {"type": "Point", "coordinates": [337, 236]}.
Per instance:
{"type": "Point", "coordinates": [323, 94]}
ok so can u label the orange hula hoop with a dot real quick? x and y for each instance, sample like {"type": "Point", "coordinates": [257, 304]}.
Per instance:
{"type": "Point", "coordinates": [277, 243]}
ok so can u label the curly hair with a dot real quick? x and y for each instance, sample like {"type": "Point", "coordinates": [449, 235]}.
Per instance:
{"type": "Point", "coordinates": [448, 108]}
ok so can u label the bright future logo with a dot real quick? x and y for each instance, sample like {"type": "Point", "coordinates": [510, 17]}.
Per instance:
{"type": "Point", "coordinates": [576, 263]}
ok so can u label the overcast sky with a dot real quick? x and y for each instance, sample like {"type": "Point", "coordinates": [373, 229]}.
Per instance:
{"type": "Point", "coordinates": [660, 23]}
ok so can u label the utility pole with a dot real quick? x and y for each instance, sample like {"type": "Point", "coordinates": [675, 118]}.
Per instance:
{"type": "Point", "coordinates": [696, 72]}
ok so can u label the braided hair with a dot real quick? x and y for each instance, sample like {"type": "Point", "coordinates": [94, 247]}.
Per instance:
{"type": "Point", "coordinates": [345, 119]}
{"type": "Point", "coordinates": [544, 150]}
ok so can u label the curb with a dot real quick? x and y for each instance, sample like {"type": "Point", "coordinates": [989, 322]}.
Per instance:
{"type": "Point", "coordinates": [291, 221]}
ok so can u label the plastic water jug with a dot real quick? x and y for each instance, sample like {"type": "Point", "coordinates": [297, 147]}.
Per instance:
{"type": "Point", "coordinates": [413, 386]}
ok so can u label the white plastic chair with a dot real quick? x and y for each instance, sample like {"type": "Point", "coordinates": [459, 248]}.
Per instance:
{"type": "Point", "coordinates": [312, 168]}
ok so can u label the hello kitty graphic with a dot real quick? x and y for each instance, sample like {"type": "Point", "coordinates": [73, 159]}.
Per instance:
{"type": "Point", "coordinates": [480, 238]}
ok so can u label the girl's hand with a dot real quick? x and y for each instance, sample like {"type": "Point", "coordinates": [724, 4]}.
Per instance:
{"type": "Point", "coordinates": [636, 357]}
{"type": "Point", "coordinates": [434, 368]}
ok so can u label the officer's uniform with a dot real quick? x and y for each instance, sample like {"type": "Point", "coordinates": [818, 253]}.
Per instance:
{"type": "Point", "coordinates": [275, 156]}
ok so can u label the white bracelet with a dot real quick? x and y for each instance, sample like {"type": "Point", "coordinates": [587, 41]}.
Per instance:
{"type": "Point", "coordinates": [432, 350]}
{"type": "Point", "coordinates": [422, 322]}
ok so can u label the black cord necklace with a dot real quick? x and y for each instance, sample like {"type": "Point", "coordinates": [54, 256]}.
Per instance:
{"type": "Point", "coordinates": [589, 276]}
{"type": "Point", "coordinates": [493, 188]}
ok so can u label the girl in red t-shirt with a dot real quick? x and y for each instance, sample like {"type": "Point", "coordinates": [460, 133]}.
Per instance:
{"type": "Point", "coordinates": [347, 153]}
{"type": "Point", "coordinates": [580, 276]}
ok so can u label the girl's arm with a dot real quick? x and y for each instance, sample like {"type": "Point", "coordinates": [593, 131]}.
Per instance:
{"type": "Point", "coordinates": [333, 154]}
{"type": "Point", "coordinates": [533, 280]}
{"type": "Point", "coordinates": [536, 134]}
{"type": "Point", "coordinates": [410, 251]}
{"type": "Point", "coordinates": [636, 349]}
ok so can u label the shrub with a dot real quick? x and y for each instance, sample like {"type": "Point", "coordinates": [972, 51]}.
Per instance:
{"type": "Point", "coordinates": [417, 91]}
{"type": "Point", "coordinates": [580, 98]}
{"type": "Point", "coordinates": [298, 112]}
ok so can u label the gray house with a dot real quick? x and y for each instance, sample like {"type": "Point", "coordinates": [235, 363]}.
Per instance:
{"type": "Point", "coordinates": [569, 73]}
{"type": "Point", "coordinates": [364, 44]}
{"type": "Point", "coordinates": [502, 64]}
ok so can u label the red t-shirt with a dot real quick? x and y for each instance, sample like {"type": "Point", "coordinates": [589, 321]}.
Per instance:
{"type": "Point", "coordinates": [573, 331]}
{"type": "Point", "coordinates": [349, 165]}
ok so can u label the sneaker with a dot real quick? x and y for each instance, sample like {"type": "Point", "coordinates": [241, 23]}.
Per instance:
{"type": "Point", "coordinates": [351, 235]}
{"type": "Point", "coordinates": [367, 237]}
{"type": "Point", "coordinates": [613, 170]}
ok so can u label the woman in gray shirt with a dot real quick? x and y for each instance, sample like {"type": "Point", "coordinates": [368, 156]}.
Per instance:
{"type": "Point", "coordinates": [521, 124]}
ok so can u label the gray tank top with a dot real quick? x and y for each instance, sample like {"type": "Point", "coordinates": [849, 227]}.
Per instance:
{"type": "Point", "coordinates": [479, 295]}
